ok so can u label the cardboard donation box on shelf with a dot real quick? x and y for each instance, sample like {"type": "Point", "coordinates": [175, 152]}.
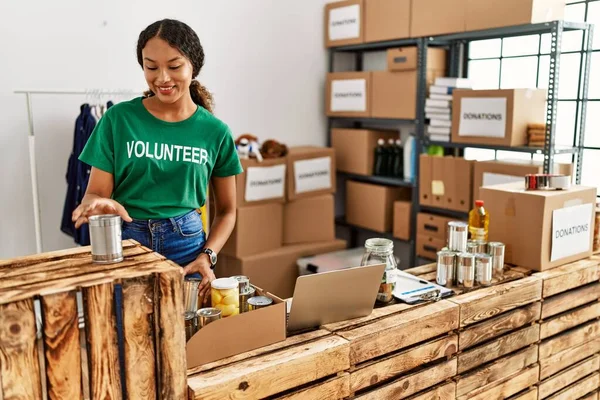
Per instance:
{"type": "Point", "coordinates": [348, 94]}
{"type": "Point", "coordinates": [344, 23]}
{"type": "Point", "coordinates": [387, 20]}
{"type": "Point", "coordinates": [437, 17]}
{"type": "Point", "coordinates": [499, 13]}
{"type": "Point", "coordinates": [238, 334]}
{"type": "Point", "coordinates": [355, 148]}
{"type": "Point", "coordinates": [310, 172]}
{"type": "Point", "coordinates": [402, 219]}
{"type": "Point", "coordinates": [496, 117]}
{"type": "Point", "coordinates": [541, 229]}
{"type": "Point", "coordinates": [261, 182]}
{"type": "Point", "coordinates": [309, 220]}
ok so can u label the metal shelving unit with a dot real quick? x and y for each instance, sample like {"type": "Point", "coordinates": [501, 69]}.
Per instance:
{"type": "Point", "coordinates": [458, 45]}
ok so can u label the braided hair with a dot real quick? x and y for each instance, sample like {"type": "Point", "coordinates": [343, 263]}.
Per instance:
{"type": "Point", "coordinates": [180, 36]}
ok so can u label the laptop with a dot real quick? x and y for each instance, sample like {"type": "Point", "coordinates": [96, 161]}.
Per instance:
{"type": "Point", "coordinates": [334, 296]}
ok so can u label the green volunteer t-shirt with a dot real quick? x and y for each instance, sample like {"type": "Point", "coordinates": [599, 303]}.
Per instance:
{"type": "Point", "coordinates": [161, 169]}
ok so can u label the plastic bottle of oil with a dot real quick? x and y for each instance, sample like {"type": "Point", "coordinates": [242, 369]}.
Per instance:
{"type": "Point", "coordinates": [479, 222]}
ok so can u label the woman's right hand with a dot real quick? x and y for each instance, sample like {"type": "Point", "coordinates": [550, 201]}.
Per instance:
{"type": "Point", "coordinates": [97, 206]}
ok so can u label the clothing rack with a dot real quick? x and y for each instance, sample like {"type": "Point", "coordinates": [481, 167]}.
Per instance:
{"type": "Point", "coordinates": [89, 93]}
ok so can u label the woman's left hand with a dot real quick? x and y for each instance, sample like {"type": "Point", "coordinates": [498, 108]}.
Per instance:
{"type": "Point", "coordinates": [202, 266]}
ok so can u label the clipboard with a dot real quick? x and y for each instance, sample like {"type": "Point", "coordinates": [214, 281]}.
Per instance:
{"type": "Point", "coordinates": [411, 290]}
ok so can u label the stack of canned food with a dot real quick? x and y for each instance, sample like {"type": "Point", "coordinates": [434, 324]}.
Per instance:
{"type": "Point", "coordinates": [229, 297]}
{"type": "Point", "coordinates": [467, 263]}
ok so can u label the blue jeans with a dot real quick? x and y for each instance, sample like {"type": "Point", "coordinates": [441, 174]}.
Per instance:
{"type": "Point", "coordinates": [179, 239]}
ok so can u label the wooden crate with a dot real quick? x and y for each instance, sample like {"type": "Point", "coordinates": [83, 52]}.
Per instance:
{"type": "Point", "coordinates": [585, 388]}
{"type": "Point", "coordinates": [570, 276]}
{"type": "Point", "coordinates": [563, 379]}
{"type": "Point", "coordinates": [135, 350]}
{"type": "Point", "coordinates": [506, 387]}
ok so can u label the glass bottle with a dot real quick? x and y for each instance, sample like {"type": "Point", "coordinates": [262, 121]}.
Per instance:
{"type": "Point", "coordinates": [381, 251]}
{"type": "Point", "coordinates": [391, 158]}
{"type": "Point", "coordinates": [479, 222]}
{"type": "Point", "coordinates": [380, 158]}
{"type": "Point", "coordinates": [399, 160]}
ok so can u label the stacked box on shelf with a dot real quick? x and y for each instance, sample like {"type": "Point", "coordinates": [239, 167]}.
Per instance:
{"type": "Point", "coordinates": [570, 330]}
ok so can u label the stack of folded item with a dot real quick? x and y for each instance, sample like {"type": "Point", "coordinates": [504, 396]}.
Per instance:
{"type": "Point", "coordinates": [438, 107]}
{"type": "Point", "coordinates": [536, 134]}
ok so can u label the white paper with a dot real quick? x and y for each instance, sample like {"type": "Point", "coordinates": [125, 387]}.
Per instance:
{"type": "Point", "coordinates": [263, 183]}
{"type": "Point", "coordinates": [313, 174]}
{"type": "Point", "coordinates": [571, 228]}
{"type": "Point", "coordinates": [349, 95]}
{"type": "Point", "coordinates": [344, 22]}
{"type": "Point", "coordinates": [482, 117]}
{"type": "Point", "coordinates": [490, 179]}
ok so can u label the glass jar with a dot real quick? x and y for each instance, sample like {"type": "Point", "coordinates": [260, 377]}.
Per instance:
{"type": "Point", "coordinates": [225, 296]}
{"type": "Point", "coordinates": [381, 251]}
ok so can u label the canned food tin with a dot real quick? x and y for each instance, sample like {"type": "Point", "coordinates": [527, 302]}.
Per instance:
{"type": "Point", "coordinates": [207, 315]}
{"type": "Point", "coordinates": [472, 247]}
{"type": "Point", "coordinates": [445, 268]}
{"type": "Point", "coordinates": [105, 238]}
{"type": "Point", "coordinates": [496, 250]}
{"type": "Point", "coordinates": [257, 302]}
{"type": "Point", "coordinates": [244, 283]}
{"type": "Point", "coordinates": [244, 299]}
{"type": "Point", "coordinates": [465, 268]}
{"type": "Point", "coordinates": [190, 294]}
{"type": "Point", "coordinates": [482, 247]}
{"type": "Point", "coordinates": [458, 233]}
{"type": "Point", "coordinates": [190, 325]}
{"type": "Point", "coordinates": [483, 269]}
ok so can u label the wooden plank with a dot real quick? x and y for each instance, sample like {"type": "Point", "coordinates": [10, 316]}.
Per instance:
{"type": "Point", "coordinates": [82, 251]}
{"type": "Point", "coordinates": [566, 277]}
{"type": "Point", "coordinates": [171, 338]}
{"type": "Point", "coordinates": [498, 348]}
{"type": "Point", "coordinates": [573, 374]}
{"type": "Point", "coordinates": [591, 396]}
{"type": "Point", "coordinates": [377, 314]}
{"type": "Point", "coordinates": [499, 325]}
{"type": "Point", "coordinates": [507, 387]}
{"type": "Point", "coordinates": [488, 302]}
{"type": "Point", "coordinates": [273, 373]}
{"type": "Point", "coordinates": [569, 300]}
{"type": "Point", "coordinates": [496, 371]}
{"type": "Point", "coordinates": [103, 353]}
{"type": "Point", "coordinates": [430, 276]}
{"type": "Point", "coordinates": [574, 337]}
{"type": "Point", "coordinates": [422, 270]}
{"type": "Point", "coordinates": [413, 383]}
{"type": "Point", "coordinates": [19, 364]}
{"type": "Point", "coordinates": [569, 320]}
{"type": "Point", "coordinates": [531, 394]}
{"type": "Point", "coordinates": [138, 312]}
{"type": "Point", "coordinates": [383, 370]}
{"type": "Point", "coordinates": [62, 348]}
{"type": "Point", "coordinates": [579, 389]}
{"type": "Point", "coordinates": [445, 391]}
{"type": "Point", "coordinates": [565, 359]}
{"type": "Point", "coordinates": [400, 331]}
{"type": "Point", "coordinates": [333, 389]}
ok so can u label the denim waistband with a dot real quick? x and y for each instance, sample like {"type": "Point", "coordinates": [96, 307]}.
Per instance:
{"type": "Point", "coordinates": [162, 223]}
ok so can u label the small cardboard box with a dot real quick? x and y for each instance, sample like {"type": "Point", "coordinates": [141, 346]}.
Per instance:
{"type": "Point", "coordinates": [372, 206]}
{"type": "Point", "coordinates": [541, 229]}
{"type": "Point", "coordinates": [309, 220]}
{"type": "Point", "coordinates": [344, 23]}
{"type": "Point", "coordinates": [311, 171]}
{"type": "Point", "coordinates": [446, 182]}
{"type": "Point", "coordinates": [261, 182]}
{"type": "Point", "coordinates": [244, 241]}
{"type": "Point", "coordinates": [355, 148]}
{"type": "Point", "coordinates": [387, 20]}
{"type": "Point", "coordinates": [437, 17]}
{"type": "Point", "coordinates": [489, 173]}
{"type": "Point", "coordinates": [428, 246]}
{"type": "Point", "coordinates": [260, 328]}
{"type": "Point", "coordinates": [496, 117]}
{"type": "Point", "coordinates": [498, 13]}
{"type": "Point", "coordinates": [348, 94]}
{"type": "Point", "coordinates": [425, 165]}
{"type": "Point", "coordinates": [463, 185]}
{"type": "Point", "coordinates": [433, 226]}
{"type": "Point", "coordinates": [438, 186]}
{"type": "Point", "coordinates": [406, 59]}
{"type": "Point", "coordinates": [402, 219]}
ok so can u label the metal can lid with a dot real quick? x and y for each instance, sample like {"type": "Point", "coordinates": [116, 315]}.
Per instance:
{"type": "Point", "coordinates": [486, 258]}
{"type": "Point", "coordinates": [248, 293]}
{"type": "Point", "coordinates": [458, 225]}
{"type": "Point", "coordinates": [224, 283]}
{"type": "Point", "coordinates": [241, 278]}
{"type": "Point", "coordinates": [445, 257]}
{"type": "Point", "coordinates": [189, 315]}
{"type": "Point", "coordinates": [104, 220]}
{"type": "Point", "coordinates": [260, 301]}
{"type": "Point", "coordinates": [496, 248]}
{"type": "Point", "coordinates": [208, 312]}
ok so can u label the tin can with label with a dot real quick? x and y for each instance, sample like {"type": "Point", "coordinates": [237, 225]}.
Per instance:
{"type": "Point", "coordinates": [190, 325]}
{"type": "Point", "coordinates": [496, 250]}
{"type": "Point", "coordinates": [458, 233]}
{"type": "Point", "coordinates": [207, 315]}
{"type": "Point", "coordinates": [258, 302]}
{"type": "Point", "coordinates": [244, 299]}
{"type": "Point", "coordinates": [466, 269]}
{"type": "Point", "coordinates": [483, 269]}
{"type": "Point", "coordinates": [446, 262]}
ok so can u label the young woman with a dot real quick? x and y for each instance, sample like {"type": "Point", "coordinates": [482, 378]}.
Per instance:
{"type": "Point", "coordinates": [153, 157]}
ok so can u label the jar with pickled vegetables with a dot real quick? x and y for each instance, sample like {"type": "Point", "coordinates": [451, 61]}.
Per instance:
{"type": "Point", "coordinates": [225, 296]}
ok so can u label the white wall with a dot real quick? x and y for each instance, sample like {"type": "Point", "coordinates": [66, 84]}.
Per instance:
{"type": "Point", "coordinates": [265, 64]}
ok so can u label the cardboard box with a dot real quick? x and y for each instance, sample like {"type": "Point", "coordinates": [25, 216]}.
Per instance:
{"type": "Point", "coordinates": [355, 148]}
{"type": "Point", "coordinates": [437, 17]}
{"type": "Point", "coordinates": [488, 173]}
{"type": "Point", "coordinates": [261, 183]}
{"type": "Point", "coordinates": [498, 13]}
{"type": "Point", "coordinates": [344, 23]}
{"type": "Point", "coordinates": [541, 229]}
{"type": "Point", "coordinates": [433, 226]}
{"type": "Point", "coordinates": [496, 117]}
{"type": "Point", "coordinates": [406, 59]}
{"type": "Point", "coordinates": [276, 270]}
{"type": "Point", "coordinates": [310, 171]}
{"type": "Point", "coordinates": [425, 165]}
{"type": "Point", "coordinates": [438, 189]}
{"type": "Point", "coordinates": [402, 219]}
{"type": "Point", "coordinates": [387, 20]}
{"type": "Point", "coordinates": [244, 241]}
{"type": "Point", "coordinates": [427, 246]}
{"type": "Point", "coordinates": [446, 182]}
{"type": "Point", "coordinates": [261, 328]}
{"type": "Point", "coordinates": [450, 183]}
{"type": "Point", "coordinates": [463, 185]}
{"type": "Point", "coordinates": [348, 94]}
{"type": "Point", "coordinates": [372, 206]}
{"type": "Point", "coordinates": [309, 220]}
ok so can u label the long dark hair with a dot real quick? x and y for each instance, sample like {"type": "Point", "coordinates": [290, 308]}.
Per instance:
{"type": "Point", "coordinates": [183, 38]}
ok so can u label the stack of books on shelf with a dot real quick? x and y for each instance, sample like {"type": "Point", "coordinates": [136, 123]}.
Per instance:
{"type": "Point", "coordinates": [438, 107]}
{"type": "Point", "coordinates": [536, 134]}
